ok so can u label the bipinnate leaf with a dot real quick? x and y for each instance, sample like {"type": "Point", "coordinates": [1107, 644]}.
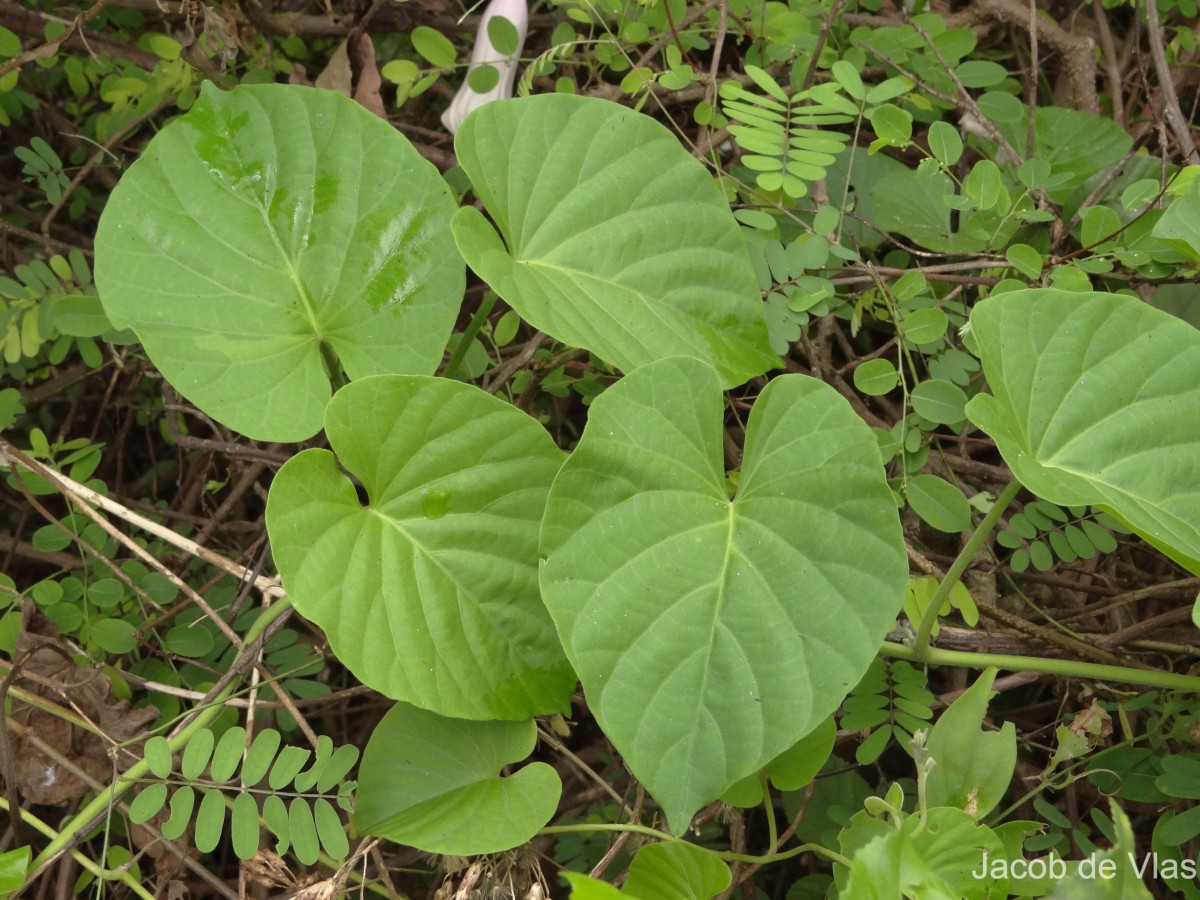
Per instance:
{"type": "Point", "coordinates": [428, 593]}
{"type": "Point", "coordinates": [1095, 399]}
{"type": "Point", "coordinates": [433, 783]}
{"type": "Point", "coordinates": [611, 236]}
{"type": "Point", "coordinates": [269, 222]}
{"type": "Point", "coordinates": [712, 634]}
{"type": "Point", "coordinates": [974, 766]}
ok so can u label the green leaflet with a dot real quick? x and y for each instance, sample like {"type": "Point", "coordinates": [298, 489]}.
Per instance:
{"type": "Point", "coordinates": [635, 257]}
{"type": "Point", "coordinates": [433, 783]}
{"type": "Point", "coordinates": [429, 592]}
{"type": "Point", "coordinates": [711, 635]}
{"type": "Point", "coordinates": [268, 222]}
{"type": "Point", "coordinates": [1096, 400]}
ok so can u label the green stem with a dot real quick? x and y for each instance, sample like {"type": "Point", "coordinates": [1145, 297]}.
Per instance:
{"type": "Point", "coordinates": [468, 337]}
{"type": "Point", "coordinates": [954, 573]}
{"type": "Point", "coordinates": [98, 871]}
{"type": "Point", "coordinates": [1069, 667]}
{"type": "Point", "coordinates": [85, 819]}
{"type": "Point", "coordinates": [726, 855]}
{"type": "Point", "coordinates": [772, 828]}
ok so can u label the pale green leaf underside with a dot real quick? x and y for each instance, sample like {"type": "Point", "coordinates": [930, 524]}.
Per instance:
{"type": "Point", "coordinates": [268, 219]}
{"type": "Point", "coordinates": [711, 635]}
{"type": "Point", "coordinates": [433, 783]}
{"type": "Point", "coordinates": [612, 237]}
{"type": "Point", "coordinates": [1095, 399]}
{"type": "Point", "coordinates": [430, 593]}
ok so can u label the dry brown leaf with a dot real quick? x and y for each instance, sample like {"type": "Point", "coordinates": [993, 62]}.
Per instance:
{"type": "Point", "coordinates": [48, 671]}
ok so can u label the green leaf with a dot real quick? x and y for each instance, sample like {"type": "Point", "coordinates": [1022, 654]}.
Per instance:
{"type": "Point", "coordinates": [260, 756]}
{"type": "Point", "coordinates": [876, 377]}
{"type": "Point", "coordinates": [1124, 883]}
{"type": "Point", "coordinates": [932, 857]}
{"type": "Point", "coordinates": [711, 635]}
{"type": "Point", "coordinates": [303, 831]}
{"type": "Point", "coordinates": [945, 142]}
{"type": "Point", "coordinates": [228, 754]}
{"type": "Point", "coordinates": [210, 820]}
{"type": "Point", "coordinates": [113, 635]}
{"type": "Point", "coordinates": [147, 803]}
{"type": "Point", "coordinates": [193, 642]}
{"type": "Point", "coordinates": [924, 326]}
{"type": "Point", "coordinates": [434, 47]}
{"type": "Point", "coordinates": [939, 401]}
{"type": "Point", "coordinates": [790, 770]}
{"type": "Point", "coordinates": [429, 592]}
{"type": "Point", "coordinates": [974, 766]}
{"type": "Point", "coordinates": [1099, 224]}
{"type": "Point", "coordinates": [983, 184]}
{"type": "Point", "coordinates": [10, 44]}
{"type": "Point", "coordinates": [329, 829]}
{"type": "Point", "coordinates": [978, 73]}
{"type": "Point", "coordinates": [503, 35]}
{"type": "Point", "coordinates": [275, 815]}
{"type": "Point", "coordinates": [892, 125]}
{"type": "Point", "coordinates": [914, 206]}
{"type": "Point", "coordinates": [243, 825]}
{"type": "Point", "coordinates": [287, 765]}
{"type": "Point", "coordinates": [269, 222]}
{"type": "Point", "coordinates": [483, 78]}
{"type": "Point", "coordinates": [1179, 226]}
{"type": "Point", "coordinates": [1095, 399]}
{"type": "Point", "coordinates": [433, 783]}
{"type": "Point", "coordinates": [1025, 259]}
{"type": "Point", "coordinates": [338, 767]}
{"type": "Point", "coordinates": [183, 801]}
{"type": "Point", "coordinates": [847, 76]}
{"type": "Point", "coordinates": [634, 256]}
{"type": "Point", "coordinates": [157, 752]}
{"type": "Point", "coordinates": [13, 865]}
{"type": "Point", "coordinates": [79, 315]}
{"type": "Point", "coordinates": [585, 888]}
{"type": "Point", "coordinates": [676, 870]}
{"type": "Point", "coordinates": [939, 503]}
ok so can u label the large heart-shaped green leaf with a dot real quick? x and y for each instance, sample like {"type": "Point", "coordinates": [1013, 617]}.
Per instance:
{"type": "Point", "coordinates": [712, 634]}
{"type": "Point", "coordinates": [269, 234]}
{"type": "Point", "coordinates": [429, 592]}
{"type": "Point", "coordinates": [612, 237]}
{"type": "Point", "coordinates": [434, 783]}
{"type": "Point", "coordinates": [1095, 399]}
